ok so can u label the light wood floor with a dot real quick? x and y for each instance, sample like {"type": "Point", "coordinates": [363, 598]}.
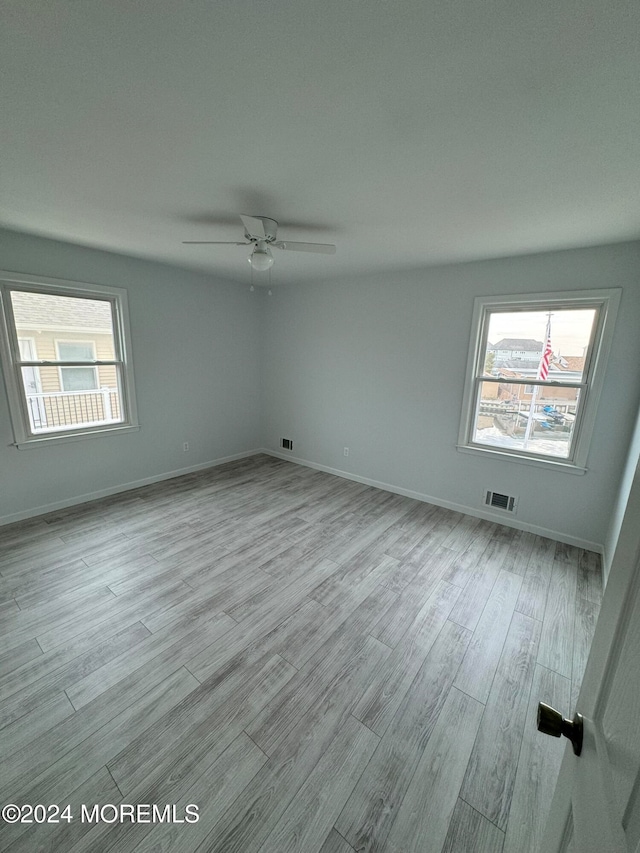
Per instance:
{"type": "Point", "coordinates": [316, 664]}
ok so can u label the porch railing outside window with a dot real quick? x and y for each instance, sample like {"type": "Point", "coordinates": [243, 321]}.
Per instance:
{"type": "Point", "coordinates": [57, 409]}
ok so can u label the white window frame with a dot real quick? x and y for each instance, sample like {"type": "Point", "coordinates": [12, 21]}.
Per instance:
{"type": "Point", "coordinates": [89, 364]}
{"type": "Point", "coordinates": [606, 303]}
{"type": "Point", "coordinates": [12, 362]}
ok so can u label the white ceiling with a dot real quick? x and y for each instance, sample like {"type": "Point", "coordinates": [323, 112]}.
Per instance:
{"type": "Point", "coordinates": [408, 132]}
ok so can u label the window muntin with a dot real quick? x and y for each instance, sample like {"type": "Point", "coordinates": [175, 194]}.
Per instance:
{"type": "Point", "coordinates": [514, 407]}
{"type": "Point", "coordinates": [67, 359]}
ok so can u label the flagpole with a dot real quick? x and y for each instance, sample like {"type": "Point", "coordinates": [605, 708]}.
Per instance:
{"type": "Point", "coordinates": [543, 370]}
{"type": "Point", "coordinates": [527, 432]}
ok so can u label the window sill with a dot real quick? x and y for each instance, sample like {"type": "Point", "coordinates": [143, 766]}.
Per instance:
{"type": "Point", "coordinates": [567, 467]}
{"type": "Point", "coordinates": [64, 438]}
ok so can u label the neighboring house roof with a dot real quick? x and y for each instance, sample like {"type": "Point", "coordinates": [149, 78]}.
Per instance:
{"type": "Point", "coordinates": [524, 344]}
{"type": "Point", "coordinates": [45, 311]}
{"type": "Point", "coordinates": [574, 362]}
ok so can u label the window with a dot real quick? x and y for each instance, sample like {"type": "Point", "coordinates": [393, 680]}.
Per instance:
{"type": "Point", "coordinates": [539, 408]}
{"type": "Point", "coordinates": [66, 358]}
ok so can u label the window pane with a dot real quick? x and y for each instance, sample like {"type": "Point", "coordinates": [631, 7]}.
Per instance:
{"type": "Point", "coordinates": [47, 319]}
{"type": "Point", "coordinates": [516, 344]}
{"type": "Point", "coordinates": [79, 404]}
{"type": "Point", "coordinates": [505, 418]}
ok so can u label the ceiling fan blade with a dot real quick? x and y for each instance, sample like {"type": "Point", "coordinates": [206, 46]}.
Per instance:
{"type": "Point", "coordinates": [324, 248]}
{"type": "Point", "coordinates": [212, 243]}
{"type": "Point", "coordinates": [253, 226]}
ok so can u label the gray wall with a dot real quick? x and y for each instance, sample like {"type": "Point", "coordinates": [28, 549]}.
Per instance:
{"type": "Point", "coordinates": [377, 363]}
{"type": "Point", "coordinates": [196, 348]}
{"type": "Point", "coordinates": [631, 470]}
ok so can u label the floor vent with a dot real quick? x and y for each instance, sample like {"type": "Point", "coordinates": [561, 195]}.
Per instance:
{"type": "Point", "coordinates": [507, 503]}
{"type": "Point", "coordinates": [286, 444]}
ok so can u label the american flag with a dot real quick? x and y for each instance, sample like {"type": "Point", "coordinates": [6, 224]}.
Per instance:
{"type": "Point", "coordinates": [545, 360]}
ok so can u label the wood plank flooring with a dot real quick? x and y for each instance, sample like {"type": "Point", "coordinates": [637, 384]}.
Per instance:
{"type": "Point", "coordinates": [317, 665]}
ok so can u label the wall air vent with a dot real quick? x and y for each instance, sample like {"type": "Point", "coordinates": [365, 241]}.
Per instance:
{"type": "Point", "coordinates": [506, 503]}
{"type": "Point", "coordinates": [286, 444]}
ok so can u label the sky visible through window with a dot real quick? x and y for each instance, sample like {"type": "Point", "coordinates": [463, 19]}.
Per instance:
{"type": "Point", "coordinates": [570, 330]}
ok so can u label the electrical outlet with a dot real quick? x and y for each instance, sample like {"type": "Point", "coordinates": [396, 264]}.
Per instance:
{"type": "Point", "coordinates": [346, 451]}
{"type": "Point", "coordinates": [185, 446]}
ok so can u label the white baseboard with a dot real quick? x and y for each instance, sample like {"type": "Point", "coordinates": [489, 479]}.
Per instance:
{"type": "Point", "coordinates": [122, 487]}
{"type": "Point", "coordinates": [476, 512]}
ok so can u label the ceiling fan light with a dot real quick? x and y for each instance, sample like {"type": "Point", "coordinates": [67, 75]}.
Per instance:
{"type": "Point", "coordinates": [261, 259]}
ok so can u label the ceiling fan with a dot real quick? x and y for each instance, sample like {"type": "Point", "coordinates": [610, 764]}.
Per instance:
{"type": "Point", "coordinates": [260, 232]}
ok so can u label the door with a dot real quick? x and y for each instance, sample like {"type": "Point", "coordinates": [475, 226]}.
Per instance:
{"type": "Point", "coordinates": [596, 805]}
{"type": "Point", "coordinates": [32, 385]}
